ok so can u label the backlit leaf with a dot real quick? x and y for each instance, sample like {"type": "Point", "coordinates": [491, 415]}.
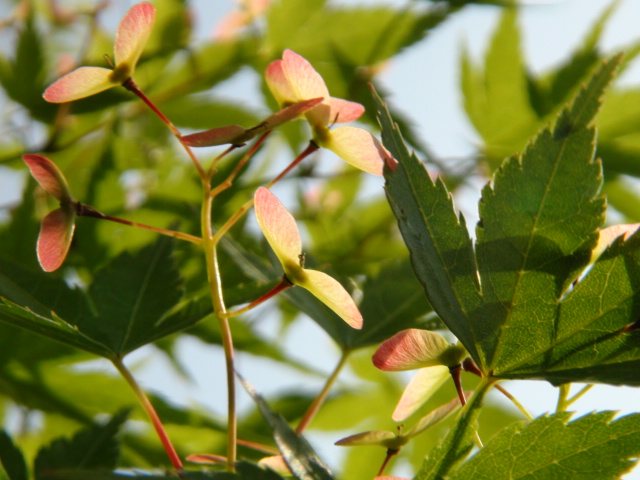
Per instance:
{"type": "Point", "coordinates": [534, 238]}
{"type": "Point", "coordinates": [302, 460]}
{"type": "Point", "coordinates": [594, 446]}
{"type": "Point", "coordinates": [52, 327]}
{"type": "Point", "coordinates": [441, 249]}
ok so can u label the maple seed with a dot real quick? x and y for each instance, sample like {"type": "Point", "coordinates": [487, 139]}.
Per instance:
{"type": "Point", "coordinates": [292, 80]}
{"type": "Point", "coordinates": [237, 135]}
{"type": "Point", "coordinates": [281, 231]}
{"type": "Point", "coordinates": [56, 230]}
{"type": "Point", "coordinates": [132, 36]}
{"type": "Point", "coordinates": [429, 352]}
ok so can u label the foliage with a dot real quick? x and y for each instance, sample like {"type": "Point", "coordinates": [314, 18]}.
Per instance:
{"type": "Point", "coordinates": [133, 243]}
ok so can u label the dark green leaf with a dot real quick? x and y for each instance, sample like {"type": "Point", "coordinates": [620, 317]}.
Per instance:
{"type": "Point", "coordinates": [131, 295]}
{"type": "Point", "coordinates": [559, 230]}
{"type": "Point", "coordinates": [589, 343]}
{"type": "Point", "coordinates": [20, 346]}
{"type": "Point", "coordinates": [534, 239]}
{"type": "Point", "coordinates": [41, 292]}
{"type": "Point", "coordinates": [440, 247]}
{"type": "Point", "coordinates": [592, 447]}
{"type": "Point", "coordinates": [589, 99]}
{"type": "Point", "coordinates": [92, 448]}
{"type": "Point", "coordinates": [12, 459]}
{"type": "Point", "coordinates": [535, 235]}
{"type": "Point", "coordinates": [51, 326]}
{"type": "Point", "coordinates": [300, 457]}
{"type": "Point", "coordinates": [135, 299]}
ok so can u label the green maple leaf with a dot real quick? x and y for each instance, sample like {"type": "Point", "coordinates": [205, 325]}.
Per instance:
{"type": "Point", "coordinates": [135, 299]}
{"type": "Point", "coordinates": [594, 446]}
{"type": "Point", "coordinates": [510, 297]}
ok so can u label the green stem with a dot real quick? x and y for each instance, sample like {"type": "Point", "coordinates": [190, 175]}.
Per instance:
{"type": "Point", "coordinates": [213, 272]}
{"type": "Point", "coordinates": [151, 413]}
{"type": "Point", "coordinates": [515, 401]}
{"type": "Point", "coordinates": [563, 395]}
{"type": "Point", "coordinates": [458, 442]}
{"type": "Point", "coordinates": [319, 400]}
{"type": "Point", "coordinates": [469, 366]}
{"type": "Point", "coordinates": [217, 298]}
{"type": "Point", "coordinates": [577, 396]}
{"type": "Point", "coordinates": [227, 343]}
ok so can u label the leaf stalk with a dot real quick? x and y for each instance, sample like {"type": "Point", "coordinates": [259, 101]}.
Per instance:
{"type": "Point", "coordinates": [151, 413]}
{"type": "Point", "coordinates": [322, 396]}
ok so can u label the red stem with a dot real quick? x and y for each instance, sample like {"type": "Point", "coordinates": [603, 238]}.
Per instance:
{"type": "Point", "coordinates": [151, 413]}
{"type": "Point", "coordinates": [456, 374]}
{"type": "Point", "coordinates": [469, 366]}
{"type": "Point", "coordinates": [319, 400]}
{"type": "Point", "coordinates": [282, 285]}
{"type": "Point", "coordinates": [390, 454]}
{"type": "Point", "coordinates": [312, 147]}
{"type": "Point", "coordinates": [133, 87]}
{"type": "Point", "coordinates": [247, 156]}
{"type": "Point", "coordinates": [87, 211]}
